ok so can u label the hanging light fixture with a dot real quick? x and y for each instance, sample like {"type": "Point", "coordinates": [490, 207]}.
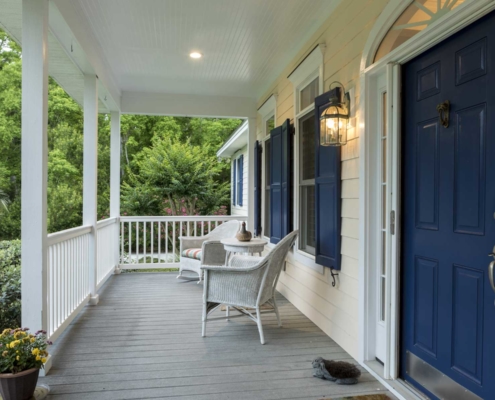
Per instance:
{"type": "Point", "coordinates": [334, 119]}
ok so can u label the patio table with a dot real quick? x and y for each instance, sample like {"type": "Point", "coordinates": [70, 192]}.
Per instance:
{"type": "Point", "coordinates": [234, 246]}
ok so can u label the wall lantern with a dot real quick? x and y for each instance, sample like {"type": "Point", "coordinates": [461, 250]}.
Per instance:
{"type": "Point", "coordinates": [334, 119]}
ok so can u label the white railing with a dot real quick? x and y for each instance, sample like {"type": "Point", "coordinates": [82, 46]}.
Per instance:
{"type": "Point", "coordinates": [107, 239]}
{"type": "Point", "coordinates": [68, 288]}
{"type": "Point", "coordinates": [145, 242]}
{"type": "Point", "coordinates": [153, 242]}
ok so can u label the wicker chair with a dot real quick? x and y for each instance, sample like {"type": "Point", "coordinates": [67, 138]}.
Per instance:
{"type": "Point", "coordinates": [248, 282]}
{"type": "Point", "coordinates": [196, 251]}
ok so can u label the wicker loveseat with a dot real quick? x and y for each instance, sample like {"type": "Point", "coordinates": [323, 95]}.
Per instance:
{"type": "Point", "coordinates": [196, 251]}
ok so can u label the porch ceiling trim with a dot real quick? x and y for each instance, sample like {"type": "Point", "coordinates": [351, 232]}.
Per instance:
{"type": "Point", "coordinates": [68, 27]}
{"type": "Point", "coordinates": [236, 141]}
{"type": "Point", "coordinates": [188, 105]}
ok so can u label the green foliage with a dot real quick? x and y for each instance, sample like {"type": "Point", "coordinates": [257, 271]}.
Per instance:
{"type": "Point", "coordinates": [167, 163]}
{"type": "Point", "coordinates": [10, 284]}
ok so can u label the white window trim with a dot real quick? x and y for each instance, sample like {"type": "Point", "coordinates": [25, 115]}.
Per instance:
{"type": "Point", "coordinates": [267, 110]}
{"type": "Point", "coordinates": [310, 69]}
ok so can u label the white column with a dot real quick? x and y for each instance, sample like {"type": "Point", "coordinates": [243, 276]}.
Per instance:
{"type": "Point", "coordinates": [34, 163]}
{"type": "Point", "coordinates": [90, 174]}
{"type": "Point", "coordinates": [115, 180]}
{"type": "Point", "coordinates": [250, 153]}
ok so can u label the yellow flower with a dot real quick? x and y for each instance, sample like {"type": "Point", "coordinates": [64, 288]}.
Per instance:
{"type": "Point", "coordinates": [5, 331]}
{"type": "Point", "coordinates": [32, 340]}
{"type": "Point", "coordinates": [43, 360]}
{"type": "Point", "coordinates": [14, 343]}
{"type": "Point", "coordinates": [5, 353]}
{"type": "Point", "coordinates": [35, 352]}
{"type": "Point", "coordinates": [17, 358]}
{"type": "Point", "coordinates": [38, 358]}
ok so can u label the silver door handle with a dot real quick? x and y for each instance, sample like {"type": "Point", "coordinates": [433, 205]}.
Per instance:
{"type": "Point", "coordinates": [490, 274]}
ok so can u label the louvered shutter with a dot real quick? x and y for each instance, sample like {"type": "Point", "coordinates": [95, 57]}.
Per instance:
{"type": "Point", "coordinates": [257, 188]}
{"type": "Point", "coordinates": [234, 182]}
{"type": "Point", "coordinates": [280, 181]}
{"type": "Point", "coordinates": [327, 196]}
{"type": "Point", "coordinates": [240, 179]}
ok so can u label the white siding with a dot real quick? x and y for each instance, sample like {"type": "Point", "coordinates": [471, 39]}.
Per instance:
{"type": "Point", "coordinates": [236, 210]}
{"type": "Point", "coordinates": [335, 310]}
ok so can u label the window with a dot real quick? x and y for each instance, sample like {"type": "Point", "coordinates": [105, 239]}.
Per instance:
{"type": "Point", "coordinates": [307, 94]}
{"type": "Point", "coordinates": [269, 125]}
{"type": "Point", "coordinates": [307, 183]}
{"type": "Point", "coordinates": [383, 182]}
{"type": "Point", "coordinates": [266, 186]}
{"type": "Point", "coordinates": [413, 20]}
{"type": "Point", "coordinates": [268, 118]}
{"type": "Point", "coordinates": [240, 180]}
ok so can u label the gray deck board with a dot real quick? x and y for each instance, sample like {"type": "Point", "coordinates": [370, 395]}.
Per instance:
{"type": "Point", "coordinates": [143, 341]}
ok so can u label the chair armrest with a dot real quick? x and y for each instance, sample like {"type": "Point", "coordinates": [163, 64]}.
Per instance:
{"type": "Point", "coordinates": [238, 264]}
{"type": "Point", "coordinates": [192, 242]}
{"type": "Point", "coordinates": [244, 261]}
{"type": "Point", "coordinates": [213, 253]}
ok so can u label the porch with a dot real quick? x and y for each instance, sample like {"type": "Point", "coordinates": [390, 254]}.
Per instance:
{"type": "Point", "coordinates": [143, 340]}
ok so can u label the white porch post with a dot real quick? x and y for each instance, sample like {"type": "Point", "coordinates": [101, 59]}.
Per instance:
{"type": "Point", "coordinates": [90, 174]}
{"type": "Point", "coordinates": [34, 163]}
{"type": "Point", "coordinates": [115, 180]}
{"type": "Point", "coordinates": [251, 141]}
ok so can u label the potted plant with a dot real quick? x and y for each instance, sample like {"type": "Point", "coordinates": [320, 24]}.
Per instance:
{"type": "Point", "coordinates": [22, 354]}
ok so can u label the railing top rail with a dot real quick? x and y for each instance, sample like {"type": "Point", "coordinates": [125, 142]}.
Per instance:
{"type": "Point", "coordinates": [194, 218]}
{"type": "Point", "coordinates": [106, 222]}
{"type": "Point", "coordinates": [62, 236]}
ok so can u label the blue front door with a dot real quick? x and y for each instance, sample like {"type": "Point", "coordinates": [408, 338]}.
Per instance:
{"type": "Point", "coordinates": [448, 200]}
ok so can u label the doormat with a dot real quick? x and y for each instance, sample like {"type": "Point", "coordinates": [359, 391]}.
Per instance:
{"type": "Point", "coordinates": [360, 397]}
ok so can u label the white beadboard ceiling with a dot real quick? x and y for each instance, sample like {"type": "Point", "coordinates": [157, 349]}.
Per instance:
{"type": "Point", "coordinates": [245, 43]}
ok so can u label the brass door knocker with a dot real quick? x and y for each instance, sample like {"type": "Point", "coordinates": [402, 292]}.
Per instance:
{"type": "Point", "coordinates": [443, 113]}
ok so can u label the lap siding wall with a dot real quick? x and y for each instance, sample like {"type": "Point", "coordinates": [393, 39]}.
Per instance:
{"type": "Point", "coordinates": [335, 310]}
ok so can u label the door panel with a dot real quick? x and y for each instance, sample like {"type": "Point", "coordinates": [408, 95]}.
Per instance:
{"type": "Point", "coordinates": [448, 200]}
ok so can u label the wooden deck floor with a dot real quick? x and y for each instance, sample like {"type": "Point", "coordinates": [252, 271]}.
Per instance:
{"type": "Point", "coordinates": [143, 341]}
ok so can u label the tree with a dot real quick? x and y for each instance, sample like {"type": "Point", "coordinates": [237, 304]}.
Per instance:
{"type": "Point", "coordinates": [183, 174]}
{"type": "Point", "coordinates": [191, 176]}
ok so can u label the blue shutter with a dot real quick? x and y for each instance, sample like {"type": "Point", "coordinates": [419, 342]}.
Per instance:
{"type": "Point", "coordinates": [234, 183]}
{"type": "Point", "coordinates": [287, 164]}
{"type": "Point", "coordinates": [280, 182]}
{"type": "Point", "coordinates": [327, 196]}
{"type": "Point", "coordinates": [257, 188]}
{"type": "Point", "coordinates": [240, 179]}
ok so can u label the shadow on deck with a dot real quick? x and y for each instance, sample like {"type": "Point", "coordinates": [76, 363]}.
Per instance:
{"type": "Point", "coordinates": [143, 340]}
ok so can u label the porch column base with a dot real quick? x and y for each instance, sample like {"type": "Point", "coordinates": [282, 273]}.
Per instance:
{"type": "Point", "coordinates": [94, 300]}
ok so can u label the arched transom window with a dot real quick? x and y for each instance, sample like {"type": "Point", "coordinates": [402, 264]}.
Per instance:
{"type": "Point", "coordinates": [413, 20]}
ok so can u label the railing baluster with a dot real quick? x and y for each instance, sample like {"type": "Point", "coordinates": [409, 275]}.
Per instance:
{"type": "Point", "coordinates": [166, 241]}
{"type": "Point", "coordinates": [173, 241]}
{"type": "Point", "coordinates": [202, 228]}
{"type": "Point", "coordinates": [159, 244]}
{"type": "Point", "coordinates": [137, 242]}
{"type": "Point", "coordinates": [152, 240]}
{"type": "Point", "coordinates": [144, 241]}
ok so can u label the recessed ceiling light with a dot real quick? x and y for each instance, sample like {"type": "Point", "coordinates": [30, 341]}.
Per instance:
{"type": "Point", "coordinates": [195, 54]}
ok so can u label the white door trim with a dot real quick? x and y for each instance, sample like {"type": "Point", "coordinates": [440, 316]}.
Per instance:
{"type": "Point", "coordinates": [459, 18]}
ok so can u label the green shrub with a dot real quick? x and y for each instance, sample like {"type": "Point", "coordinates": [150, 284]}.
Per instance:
{"type": "Point", "coordinates": [10, 284]}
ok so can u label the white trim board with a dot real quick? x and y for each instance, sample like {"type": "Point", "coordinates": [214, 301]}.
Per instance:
{"type": "Point", "coordinates": [237, 141]}
{"type": "Point", "coordinates": [459, 18]}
